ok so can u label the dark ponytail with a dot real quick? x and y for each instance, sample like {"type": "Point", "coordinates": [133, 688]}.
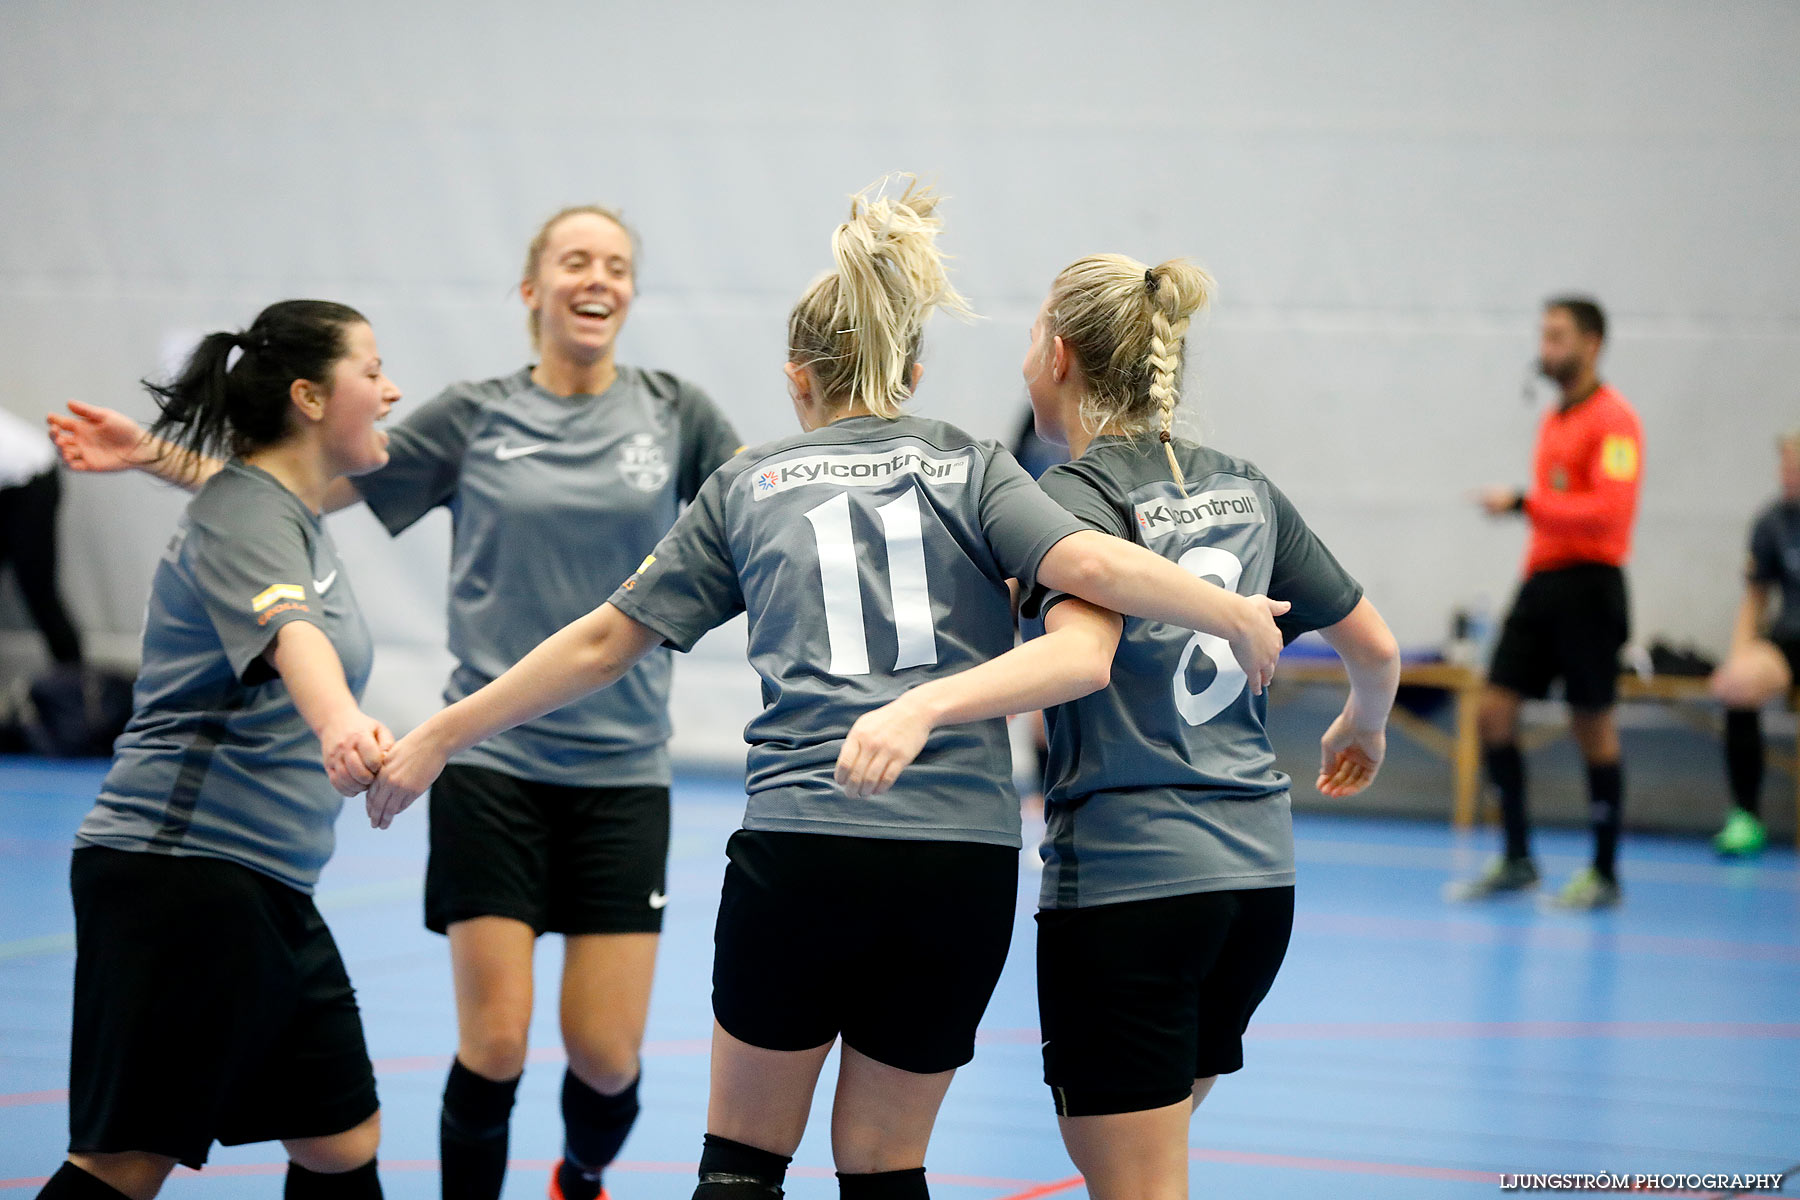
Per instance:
{"type": "Point", "coordinates": [220, 405]}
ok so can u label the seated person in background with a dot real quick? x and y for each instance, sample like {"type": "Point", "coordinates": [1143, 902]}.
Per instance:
{"type": "Point", "coordinates": [1762, 665]}
{"type": "Point", "coordinates": [29, 494]}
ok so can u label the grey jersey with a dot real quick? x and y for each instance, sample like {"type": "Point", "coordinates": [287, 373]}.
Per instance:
{"type": "Point", "coordinates": [1775, 562]}
{"type": "Point", "coordinates": [871, 556]}
{"type": "Point", "coordinates": [1164, 783]}
{"type": "Point", "coordinates": [216, 761]}
{"type": "Point", "coordinates": [553, 501]}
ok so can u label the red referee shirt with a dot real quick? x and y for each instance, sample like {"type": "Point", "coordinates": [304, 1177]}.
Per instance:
{"type": "Point", "coordinates": [1584, 486]}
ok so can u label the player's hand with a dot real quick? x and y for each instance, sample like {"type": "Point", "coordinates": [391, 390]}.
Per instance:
{"type": "Point", "coordinates": [353, 749]}
{"type": "Point", "coordinates": [412, 765]}
{"type": "Point", "coordinates": [883, 742]}
{"type": "Point", "coordinates": [1498, 501]}
{"type": "Point", "coordinates": [97, 439]}
{"type": "Point", "coordinates": [1258, 643]}
{"type": "Point", "coordinates": [1349, 755]}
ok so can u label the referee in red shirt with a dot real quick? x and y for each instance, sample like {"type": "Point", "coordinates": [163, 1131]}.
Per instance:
{"type": "Point", "coordinates": [1570, 619]}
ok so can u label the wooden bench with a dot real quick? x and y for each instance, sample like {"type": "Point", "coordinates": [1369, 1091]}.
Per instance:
{"type": "Point", "coordinates": [1461, 747]}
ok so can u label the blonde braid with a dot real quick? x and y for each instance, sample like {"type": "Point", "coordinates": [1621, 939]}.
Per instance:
{"type": "Point", "coordinates": [1166, 345]}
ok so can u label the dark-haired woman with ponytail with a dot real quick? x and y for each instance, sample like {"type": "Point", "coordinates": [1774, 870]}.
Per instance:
{"type": "Point", "coordinates": [211, 1004]}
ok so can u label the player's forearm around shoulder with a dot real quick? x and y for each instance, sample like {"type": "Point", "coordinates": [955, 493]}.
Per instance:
{"type": "Point", "coordinates": [1371, 659]}
{"type": "Point", "coordinates": [1072, 659]}
{"type": "Point", "coordinates": [1126, 578]}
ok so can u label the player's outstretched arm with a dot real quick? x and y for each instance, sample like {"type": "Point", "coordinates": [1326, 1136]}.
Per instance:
{"type": "Point", "coordinates": [583, 656]}
{"type": "Point", "coordinates": [92, 438]}
{"type": "Point", "coordinates": [1351, 751]}
{"type": "Point", "coordinates": [352, 742]}
{"type": "Point", "coordinates": [1129, 579]}
{"type": "Point", "coordinates": [1073, 658]}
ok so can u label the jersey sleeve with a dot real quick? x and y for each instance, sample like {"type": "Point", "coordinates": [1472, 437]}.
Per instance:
{"type": "Point", "coordinates": [425, 457]}
{"type": "Point", "coordinates": [1020, 522]}
{"type": "Point", "coordinates": [1081, 492]}
{"type": "Point", "coordinates": [1306, 574]}
{"type": "Point", "coordinates": [1608, 500]}
{"type": "Point", "coordinates": [708, 440]}
{"type": "Point", "coordinates": [1764, 566]}
{"type": "Point", "coordinates": [253, 573]}
{"type": "Point", "coordinates": [689, 583]}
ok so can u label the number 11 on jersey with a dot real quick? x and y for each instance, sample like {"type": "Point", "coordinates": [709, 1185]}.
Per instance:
{"type": "Point", "coordinates": [840, 577]}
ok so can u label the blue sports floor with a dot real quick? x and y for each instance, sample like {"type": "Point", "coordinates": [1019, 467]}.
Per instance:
{"type": "Point", "coordinates": [1409, 1048]}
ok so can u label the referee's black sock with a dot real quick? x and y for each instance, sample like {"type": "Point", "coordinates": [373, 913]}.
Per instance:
{"type": "Point", "coordinates": [473, 1133]}
{"type": "Point", "coordinates": [595, 1126]}
{"type": "Point", "coordinates": [360, 1184]}
{"type": "Point", "coordinates": [73, 1183]}
{"type": "Point", "coordinates": [1744, 757]}
{"type": "Point", "coordinates": [884, 1185]}
{"type": "Point", "coordinates": [733, 1171]}
{"type": "Point", "coordinates": [1606, 790]}
{"type": "Point", "coordinates": [1506, 767]}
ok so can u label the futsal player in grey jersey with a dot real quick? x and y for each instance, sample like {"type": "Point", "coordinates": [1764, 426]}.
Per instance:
{"type": "Point", "coordinates": [559, 478]}
{"type": "Point", "coordinates": [210, 1001]}
{"type": "Point", "coordinates": [1167, 893]}
{"type": "Point", "coordinates": [871, 554]}
{"type": "Point", "coordinates": [1764, 662]}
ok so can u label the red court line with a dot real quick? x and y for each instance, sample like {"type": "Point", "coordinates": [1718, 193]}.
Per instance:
{"type": "Point", "coordinates": [545, 1165]}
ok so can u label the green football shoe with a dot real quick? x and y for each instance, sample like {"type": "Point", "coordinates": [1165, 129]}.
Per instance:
{"type": "Point", "coordinates": [1742, 836]}
{"type": "Point", "coordinates": [1501, 876]}
{"type": "Point", "coordinates": [1587, 889]}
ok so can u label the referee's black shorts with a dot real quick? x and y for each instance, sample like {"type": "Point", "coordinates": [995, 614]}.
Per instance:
{"type": "Point", "coordinates": [210, 1005]}
{"type": "Point", "coordinates": [1568, 624]}
{"type": "Point", "coordinates": [895, 945]}
{"type": "Point", "coordinates": [1138, 1000]}
{"type": "Point", "coordinates": [562, 859]}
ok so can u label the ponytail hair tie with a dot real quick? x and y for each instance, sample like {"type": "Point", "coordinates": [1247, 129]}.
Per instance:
{"type": "Point", "coordinates": [1150, 281]}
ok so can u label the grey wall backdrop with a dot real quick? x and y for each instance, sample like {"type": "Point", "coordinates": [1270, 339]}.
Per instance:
{"type": "Point", "coordinates": [1385, 192]}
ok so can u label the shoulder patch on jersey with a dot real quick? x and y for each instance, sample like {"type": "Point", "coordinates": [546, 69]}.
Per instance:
{"type": "Point", "coordinates": [1619, 457]}
{"type": "Point", "coordinates": [277, 591]}
{"type": "Point", "coordinates": [1226, 506]}
{"type": "Point", "coordinates": [860, 470]}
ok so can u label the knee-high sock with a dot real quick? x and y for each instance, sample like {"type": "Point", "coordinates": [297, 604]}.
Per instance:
{"type": "Point", "coordinates": [1506, 767]}
{"type": "Point", "coordinates": [473, 1134]}
{"type": "Point", "coordinates": [884, 1185]}
{"type": "Point", "coordinates": [1744, 757]}
{"type": "Point", "coordinates": [361, 1184]}
{"type": "Point", "coordinates": [73, 1183]}
{"type": "Point", "coordinates": [733, 1171]}
{"type": "Point", "coordinates": [1606, 791]}
{"type": "Point", "coordinates": [594, 1128]}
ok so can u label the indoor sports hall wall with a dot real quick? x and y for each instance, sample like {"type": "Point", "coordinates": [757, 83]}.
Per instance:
{"type": "Point", "coordinates": [1385, 192]}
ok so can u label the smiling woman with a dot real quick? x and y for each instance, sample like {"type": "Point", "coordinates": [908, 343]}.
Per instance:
{"type": "Point", "coordinates": [563, 475]}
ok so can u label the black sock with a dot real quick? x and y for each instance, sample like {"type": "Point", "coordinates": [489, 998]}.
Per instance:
{"type": "Point", "coordinates": [361, 1184]}
{"type": "Point", "coordinates": [595, 1125]}
{"type": "Point", "coordinates": [733, 1171]}
{"type": "Point", "coordinates": [884, 1185]}
{"type": "Point", "coordinates": [1506, 767]}
{"type": "Point", "coordinates": [1606, 790]}
{"type": "Point", "coordinates": [1744, 757]}
{"type": "Point", "coordinates": [473, 1133]}
{"type": "Point", "coordinates": [73, 1183]}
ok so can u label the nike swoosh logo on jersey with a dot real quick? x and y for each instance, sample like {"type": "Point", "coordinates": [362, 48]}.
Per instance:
{"type": "Point", "coordinates": [322, 586]}
{"type": "Point", "coordinates": [658, 900]}
{"type": "Point", "coordinates": [505, 452]}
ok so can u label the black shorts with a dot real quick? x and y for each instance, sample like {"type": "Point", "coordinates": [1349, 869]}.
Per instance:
{"type": "Point", "coordinates": [561, 859]}
{"type": "Point", "coordinates": [1137, 1000]}
{"type": "Point", "coordinates": [210, 1005]}
{"type": "Point", "coordinates": [1569, 623]}
{"type": "Point", "coordinates": [895, 945]}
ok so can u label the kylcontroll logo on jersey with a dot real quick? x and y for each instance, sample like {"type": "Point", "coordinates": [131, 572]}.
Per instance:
{"type": "Point", "coordinates": [1230, 506]}
{"type": "Point", "coordinates": [860, 470]}
{"type": "Point", "coordinates": [278, 591]}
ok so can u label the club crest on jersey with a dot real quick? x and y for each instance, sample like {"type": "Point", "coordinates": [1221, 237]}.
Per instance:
{"type": "Point", "coordinates": [861, 470]}
{"type": "Point", "coordinates": [642, 464]}
{"type": "Point", "coordinates": [1229, 506]}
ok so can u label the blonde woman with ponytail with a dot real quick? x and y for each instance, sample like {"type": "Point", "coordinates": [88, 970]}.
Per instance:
{"type": "Point", "coordinates": [1153, 955]}
{"type": "Point", "coordinates": [871, 552]}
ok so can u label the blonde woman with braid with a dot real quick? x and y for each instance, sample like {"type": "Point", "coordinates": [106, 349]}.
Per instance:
{"type": "Point", "coordinates": [871, 552]}
{"type": "Point", "coordinates": [1154, 951]}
